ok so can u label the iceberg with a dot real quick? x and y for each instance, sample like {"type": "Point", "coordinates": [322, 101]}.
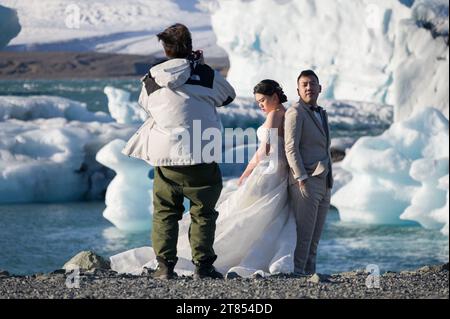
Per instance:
{"type": "Point", "coordinates": [47, 149]}
{"type": "Point", "coordinates": [128, 198]}
{"type": "Point", "coordinates": [327, 36]}
{"type": "Point", "coordinates": [45, 107]}
{"type": "Point", "coordinates": [422, 56]}
{"type": "Point", "coordinates": [121, 108]}
{"type": "Point", "coordinates": [381, 52]}
{"type": "Point", "coordinates": [9, 26]}
{"type": "Point", "coordinates": [401, 175]}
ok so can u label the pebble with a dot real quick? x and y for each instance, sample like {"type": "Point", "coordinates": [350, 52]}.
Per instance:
{"type": "Point", "coordinates": [431, 282]}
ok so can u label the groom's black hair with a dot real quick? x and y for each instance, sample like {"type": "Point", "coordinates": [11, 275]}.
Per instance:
{"type": "Point", "coordinates": [308, 73]}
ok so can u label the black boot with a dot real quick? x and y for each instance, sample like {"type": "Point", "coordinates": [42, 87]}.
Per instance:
{"type": "Point", "coordinates": [165, 269]}
{"type": "Point", "coordinates": [206, 271]}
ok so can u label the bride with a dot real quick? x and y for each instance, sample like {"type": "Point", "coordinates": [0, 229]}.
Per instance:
{"type": "Point", "coordinates": [255, 231]}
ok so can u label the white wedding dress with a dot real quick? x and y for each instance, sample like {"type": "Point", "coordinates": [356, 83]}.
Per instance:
{"type": "Point", "coordinates": [255, 229]}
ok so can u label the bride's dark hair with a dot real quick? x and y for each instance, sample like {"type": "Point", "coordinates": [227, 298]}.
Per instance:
{"type": "Point", "coordinates": [269, 87]}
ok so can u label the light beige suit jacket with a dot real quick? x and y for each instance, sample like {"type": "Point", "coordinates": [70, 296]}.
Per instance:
{"type": "Point", "coordinates": [307, 143]}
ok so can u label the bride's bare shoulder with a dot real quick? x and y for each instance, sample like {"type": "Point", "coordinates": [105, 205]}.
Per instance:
{"type": "Point", "coordinates": [274, 119]}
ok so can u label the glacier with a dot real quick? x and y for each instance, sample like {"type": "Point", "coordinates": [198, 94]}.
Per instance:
{"type": "Point", "coordinates": [107, 26]}
{"type": "Point", "coordinates": [380, 52]}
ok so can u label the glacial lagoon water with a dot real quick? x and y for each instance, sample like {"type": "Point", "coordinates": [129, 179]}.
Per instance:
{"type": "Point", "coordinates": [42, 237]}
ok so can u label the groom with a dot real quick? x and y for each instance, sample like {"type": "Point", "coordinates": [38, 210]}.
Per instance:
{"type": "Point", "coordinates": [307, 144]}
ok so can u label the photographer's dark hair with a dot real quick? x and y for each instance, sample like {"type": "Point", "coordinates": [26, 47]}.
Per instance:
{"type": "Point", "coordinates": [269, 87]}
{"type": "Point", "coordinates": [308, 73]}
{"type": "Point", "coordinates": [176, 40]}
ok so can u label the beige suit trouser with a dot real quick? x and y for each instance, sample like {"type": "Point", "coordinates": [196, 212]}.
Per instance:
{"type": "Point", "coordinates": [310, 207]}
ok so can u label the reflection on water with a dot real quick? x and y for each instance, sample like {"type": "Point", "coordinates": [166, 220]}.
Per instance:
{"type": "Point", "coordinates": [117, 240]}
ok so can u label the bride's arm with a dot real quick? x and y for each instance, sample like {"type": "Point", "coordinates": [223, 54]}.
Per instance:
{"type": "Point", "coordinates": [263, 149]}
{"type": "Point", "coordinates": [249, 169]}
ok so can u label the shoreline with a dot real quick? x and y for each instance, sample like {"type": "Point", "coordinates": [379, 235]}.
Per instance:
{"type": "Point", "coordinates": [82, 65]}
{"type": "Point", "coordinates": [428, 282]}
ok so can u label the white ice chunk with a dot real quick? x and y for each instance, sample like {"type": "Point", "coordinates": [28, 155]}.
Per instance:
{"type": "Point", "coordinates": [129, 196]}
{"type": "Point", "coordinates": [47, 149]}
{"type": "Point", "coordinates": [399, 175]}
{"type": "Point", "coordinates": [44, 106]}
{"type": "Point", "coordinates": [122, 109]}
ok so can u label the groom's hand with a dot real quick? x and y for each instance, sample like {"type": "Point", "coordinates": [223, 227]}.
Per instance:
{"type": "Point", "coordinates": [302, 184]}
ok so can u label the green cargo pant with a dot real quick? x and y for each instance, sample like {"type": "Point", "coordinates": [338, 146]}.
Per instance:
{"type": "Point", "coordinates": [201, 184]}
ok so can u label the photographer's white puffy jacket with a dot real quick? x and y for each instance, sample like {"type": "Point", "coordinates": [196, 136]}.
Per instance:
{"type": "Point", "coordinates": [177, 95]}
